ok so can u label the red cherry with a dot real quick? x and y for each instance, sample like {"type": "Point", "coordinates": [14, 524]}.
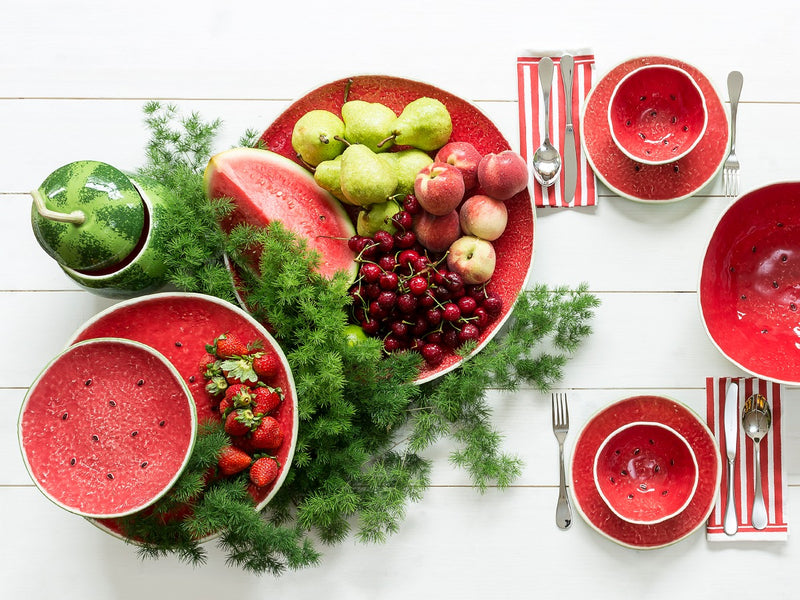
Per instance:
{"type": "Point", "coordinates": [357, 243]}
{"type": "Point", "coordinates": [370, 272]}
{"type": "Point", "coordinates": [467, 305]}
{"type": "Point", "coordinates": [433, 316]}
{"type": "Point", "coordinates": [389, 281]}
{"type": "Point", "coordinates": [420, 264]}
{"type": "Point", "coordinates": [427, 300]}
{"type": "Point", "coordinates": [392, 344]}
{"type": "Point", "coordinates": [493, 304]}
{"type": "Point", "coordinates": [387, 262]}
{"type": "Point", "coordinates": [434, 337]}
{"type": "Point", "coordinates": [469, 332]}
{"type": "Point", "coordinates": [481, 317]}
{"type": "Point", "coordinates": [418, 285]}
{"type": "Point", "coordinates": [372, 291]}
{"type": "Point", "coordinates": [399, 328]}
{"type": "Point", "coordinates": [384, 240]}
{"type": "Point", "coordinates": [377, 311]}
{"type": "Point", "coordinates": [407, 303]}
{"type": "Point", "coordinates": [370, 326]}
{"type": "Point", "coordinates": [451, 339]}
{"type": "Point", "coordinates": [406, 257]}
{"type": "Point", "coordinates": [420, 326]}
{"type": "Point", "coordinates": [433, 354]}
{"type": "Point", "coordinates": [403, 220]}
{"type": "Point", "coordinates": [387, 300]}
{"type": "Point", "coordinates": [404, 239]}
{"type": "Point", "coordinates": [411, 204]}
{"type": "Point", "coordinates": [451, 312]}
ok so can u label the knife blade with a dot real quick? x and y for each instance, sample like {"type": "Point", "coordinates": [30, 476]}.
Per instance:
{"type": "Point", "coordinates": [731, 421]}
{"type": "Point", "coordinates": [570, 168]}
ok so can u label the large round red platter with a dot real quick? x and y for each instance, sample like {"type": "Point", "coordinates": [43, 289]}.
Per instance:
{"type": "Point", "coordinates": [514, 248]}
{"type": "Point", "coordinates": [652, 183]}
{"type": "Point", "coordinates": [596, 512]}
{"type": "Point", "coordinates": [748, 291]}
{"type": "Point", "coordinates": [179, 325]}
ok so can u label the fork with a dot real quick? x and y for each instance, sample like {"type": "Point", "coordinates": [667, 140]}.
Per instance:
{"type": "Point", "coordinates": [560, 429]}
{"type": "Point", "coordinates": [730, 171]}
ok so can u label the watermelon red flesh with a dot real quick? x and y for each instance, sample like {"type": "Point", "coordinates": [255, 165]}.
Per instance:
{"type": "Point", "coordinates": [107, 428]}
{"type": "Point", "coordinates": [267, 187]}
{"type": "Point", "coordinates": [179, 326]}
{"type": "Point", "coordinates": [514, 248]}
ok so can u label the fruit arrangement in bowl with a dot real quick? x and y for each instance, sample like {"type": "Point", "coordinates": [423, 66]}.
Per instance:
{"type": "Point", "coordinates": [438, 228]}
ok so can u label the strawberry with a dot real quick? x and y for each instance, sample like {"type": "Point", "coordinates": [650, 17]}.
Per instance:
{"type": "Point", "coordinates": [208, 367]}
{"type": "Point", "coordinates": [268, 434]}
{"type": "Point", "coordinates": [267, 365]}
{"type": "Point", "coordinates": [240, 422]}
{"type": "Point", "coordinates": [228, 345]}
{"type": "Point", "coordinates": [225, 406]}
{"type": "Point", "coordinates": [265, 400]}
{"type": "Point", "coordinates": [233, 460]}
{"type": "Point", "coordinates": [263, 471]}
{"type": "Point", "coordinates": [239, 394]}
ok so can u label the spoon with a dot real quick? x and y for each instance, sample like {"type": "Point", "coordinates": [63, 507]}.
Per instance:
{"type": "Point", "coordinates": [756, 420]}
{"type": "Point", "coordinates": [546, 160]}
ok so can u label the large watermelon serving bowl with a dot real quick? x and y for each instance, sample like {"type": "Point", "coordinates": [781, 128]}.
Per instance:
{"type": "Point", "coordinates": [514, 249]}
{"type": "Point", "coordinates": [107, 427]}
{"type": "Point", "coordinates": [179, 326]}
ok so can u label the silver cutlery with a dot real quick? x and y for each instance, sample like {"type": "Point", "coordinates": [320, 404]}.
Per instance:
{"type": "Point", "coordinates": [546, 159]}
{"type": "Point", "coordinates": [570, 168]}
{"type": "Point", "coordinates": [730, 170]}
{"type": "Point", "coordinates": [731, 423]}
{"type": "Point", "coordinates": [560, 429]}
{"type": "Point", "coordinates": [756, 420]}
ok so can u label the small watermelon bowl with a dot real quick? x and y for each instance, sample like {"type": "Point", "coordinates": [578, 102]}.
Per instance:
{"type": "Point", "coordinates": [107, 428]}
{"type": "Point", "coordinates": [514, 248]}
{"type": "Point", "coordinates": [179, 326]}
{"type": "Point", "coordinates": [646, 472]}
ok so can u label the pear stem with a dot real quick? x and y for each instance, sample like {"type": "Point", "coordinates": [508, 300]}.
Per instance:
{"type": "Point", "coordinates": [383, 141]}
{"type": "Point", "coordinates": [347, 87]}
{"type": "Point", "coordinates": [76, 217]}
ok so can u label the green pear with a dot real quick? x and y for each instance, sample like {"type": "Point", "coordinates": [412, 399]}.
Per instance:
{"type": "Point", "coordinates": [318, 136]}
{"type": "Point", "coordinates": [328, 177]}
{"type": "Point", "coordinates": [365, 178]}
{"type": "Point", "coordinates": [424, 123]}
{"type": "Point", "coordinates": [407, 163]}
{"type": "Point", "coordinates": [368, 123]}
{"type": "Point", "coordinates": [377, 217]}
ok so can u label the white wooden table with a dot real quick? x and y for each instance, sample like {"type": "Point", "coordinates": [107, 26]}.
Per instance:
{"type": "Point", "coordinates": [73, 79]}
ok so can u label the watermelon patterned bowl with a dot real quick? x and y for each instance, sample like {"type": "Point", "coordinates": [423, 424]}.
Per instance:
{"type": "Point", "coordinates": [107, 428]}
{"type": "Point", "coordinates": [657, 114]}
{"type": "Point", "coordinates": [646, 472]}
{"type": "Point", "coordinates": [180, 325]}
{"type": "Point", "coordinates": [748, 289]}
{"type": "Point", "coordinates": [515, 248]}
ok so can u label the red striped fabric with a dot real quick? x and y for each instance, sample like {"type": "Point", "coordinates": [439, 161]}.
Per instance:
{"type": "Point", "coordinates": [530, 122]}
{"type": "Point", "coordinates": [773, 479]}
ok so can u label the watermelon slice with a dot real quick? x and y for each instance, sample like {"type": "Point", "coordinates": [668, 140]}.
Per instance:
{"type": "Point", "coordinates": [107, 428]}
{"type": "Point", "coordinates": [179, 325]}
{"type": "Point", "coordinates": [268, 187]}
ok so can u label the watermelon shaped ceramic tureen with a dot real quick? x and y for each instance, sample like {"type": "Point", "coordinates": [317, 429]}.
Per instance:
{"type": "Point", "coordinates": [514, 249]}
{"type": "Point", "coordinates": [107, 428]}
{"type": "Point", "coordinates": [179, 325]}
{"type": "Point", "coordinates": [103, 228]}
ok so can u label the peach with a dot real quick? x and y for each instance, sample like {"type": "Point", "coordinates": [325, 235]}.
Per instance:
{"type": "Point", "coordinates": [436, 233]}
{"type": "Point", "coordinates": [439, 188]}
{"type": "Point", "coordinates": [472, 258]}
{"type": "Point", "coordinates": [463, 156]}
{"type": "Point", "coordinates": [502, 175]}
{"type": "Point", "coordinates": [483, 217]}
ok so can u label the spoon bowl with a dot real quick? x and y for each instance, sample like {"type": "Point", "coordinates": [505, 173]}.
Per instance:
{"type": "Point", "coordinates": [546, 159]}
{"type": "Point", "coordinates": [756, 421]}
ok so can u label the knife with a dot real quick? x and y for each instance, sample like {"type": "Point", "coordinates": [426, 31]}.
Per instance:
{"type": "Point", "coordinates": [731, 417]}
{"type": "Point", "coordinates": [570, 172]}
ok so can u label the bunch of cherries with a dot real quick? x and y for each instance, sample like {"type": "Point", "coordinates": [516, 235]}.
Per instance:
{"type": "Point", "coordinates": [407, 296]}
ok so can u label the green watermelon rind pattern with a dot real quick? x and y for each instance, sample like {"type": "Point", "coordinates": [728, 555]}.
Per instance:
{"type": "Point", "coordinates": [147, 272]}
{"type": "Point", "coordinates": [111, 204]}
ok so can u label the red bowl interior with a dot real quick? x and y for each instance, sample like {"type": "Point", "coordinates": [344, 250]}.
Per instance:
{"type": "Point", "coordinates": [657, 114]}
{"type": "Point", "coordinates": [646, 472]}
{"type": "Point", "coordinates": [750, 283]}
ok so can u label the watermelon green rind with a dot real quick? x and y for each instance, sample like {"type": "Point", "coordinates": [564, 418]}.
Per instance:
{"type": "Point", "coordinates": [145, 271]}
{"type": "Point", "coordinates": [68, 402]}
{"type": "Point", "coordinates": [112, 208]}
{"type": "Point", "coordinates": [266, 187]}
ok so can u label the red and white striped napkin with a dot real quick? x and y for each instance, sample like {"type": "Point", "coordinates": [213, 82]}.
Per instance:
{"type": "Point", "coordinates": [531, 123]}
{"type": "Point", "coordinates": [773, 478]}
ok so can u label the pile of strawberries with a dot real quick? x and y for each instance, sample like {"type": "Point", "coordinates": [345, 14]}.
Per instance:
{"type": "Point", "coordinates": [238, 378]}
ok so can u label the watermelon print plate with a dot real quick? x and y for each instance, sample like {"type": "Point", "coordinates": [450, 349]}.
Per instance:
{"type": "Point", "coordinates": [107, 428]}
{"type": "Point", "coordinates": [596, 512]}
{"type": "Point", "coordinates": [748, 290]}
{"type": "Point", "coordinates": [179, 325]}
{"type": "Point", "coordinates": [652, 183]}
{"type": "Point", "coordinates": [514, 248]}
